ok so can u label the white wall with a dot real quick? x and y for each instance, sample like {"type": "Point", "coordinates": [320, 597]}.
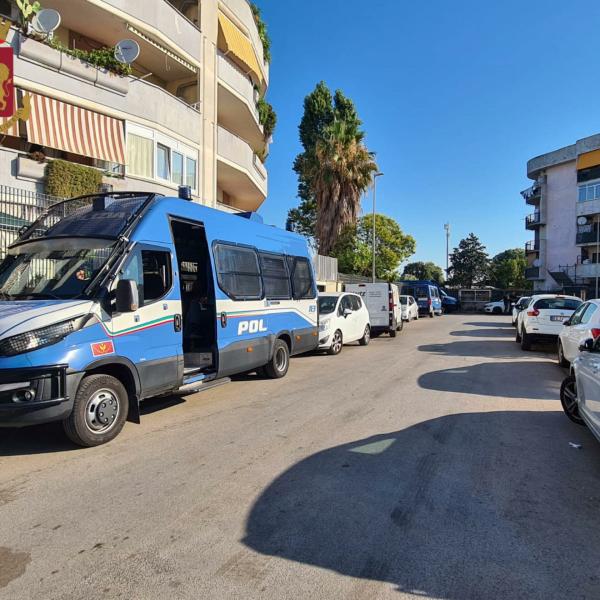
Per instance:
{"type": "Point", "coordinates": [561, 217]}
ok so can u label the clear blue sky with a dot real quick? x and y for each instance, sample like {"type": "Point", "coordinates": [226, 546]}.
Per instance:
{"type": "Point", "coordinates": [455, 97]}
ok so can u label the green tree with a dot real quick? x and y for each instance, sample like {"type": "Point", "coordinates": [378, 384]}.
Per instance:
{"type": "Point", "coordinates": [333, 170]}
{"type": "Point", "coordinates": [423, 270]}
{"type": "Point", "coordinates": [354, 249]}
{"type": "Point", "coordinates": [507, 269]}
{"type": "Point", "coordinates": [469, 263]}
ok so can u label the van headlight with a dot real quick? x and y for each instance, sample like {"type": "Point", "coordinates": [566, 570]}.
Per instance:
{"type": "Point", "coordinates": [39, 338]}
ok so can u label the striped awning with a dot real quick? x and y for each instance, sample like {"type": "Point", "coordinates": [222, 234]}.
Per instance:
{"type": "Point", "coordinates": [232, 40]}
{"type": "Point", "coordinates": [63, 126]}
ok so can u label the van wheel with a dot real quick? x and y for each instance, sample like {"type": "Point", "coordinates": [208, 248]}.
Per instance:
{"type": "Point", "coordinates": [562, 361]}
{"type": "Point", "coordinates": [431, 314]}
{"type": "Point", "coordinates": [401, 325]}
{"type": "Point", "coordinates": [568, 399]}
{"type": "Point", "coordinates": [99, 411]}
{"type": "Point", "coordinates": [393, 330]}
{"type": "Point", "coordinates": [366, 338]}
{"type": "Point", "coordinates": [525, 340]}
{"type": "Point", "coordinates": [279, 364]}
{"type": "Point", "coordinates": [337, 343]}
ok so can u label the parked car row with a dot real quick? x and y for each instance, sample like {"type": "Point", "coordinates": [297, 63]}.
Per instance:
{"type": "Point", "coordinates": [574, 325]}
{"type": "Point", "coordinates": [362, 311]}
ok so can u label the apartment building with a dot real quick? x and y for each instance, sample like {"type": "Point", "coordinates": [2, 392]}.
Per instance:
{"type": "Point", "coordinates": [187, 114]}
{"type": "Point", "coordinates": [564, 253]}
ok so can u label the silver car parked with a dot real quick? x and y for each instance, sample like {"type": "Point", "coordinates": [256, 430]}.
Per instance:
{"type": "Point", "coordinates": [580, 392]}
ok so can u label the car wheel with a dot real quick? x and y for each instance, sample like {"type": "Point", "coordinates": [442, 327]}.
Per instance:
{"type": "Point", "coordinates": [568, 399]}
{"type": "Point", "coordinates": [366, 338]}
{"type": "Point", "coordinates": [497, 310]}
{"type": "Point", "coordinates": [337, 342]}
{"type": "Point", "coordinates": [517, 336]}
{"type": "Point", "coordinates": [279, 364]}
{"type": "Point", "coordinates": [562, 361]}
{"type": "Point", "coordinates": [431, 314]}
{"type": "Point", "coordinates": [99, 411]}
{"type": "Point", "coordinates": [525, 340]}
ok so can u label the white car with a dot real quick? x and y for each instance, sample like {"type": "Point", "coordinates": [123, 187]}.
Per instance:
{"type": "Point", "coordinates": [543, 318]}
{"type": "Point", "coordinates": [583, 325]}
{"type": "Point", "coordinates": [410, 308]}
{"type": "Point", "coordinates": [343, 318]}
{"type": "Point", "coordinates": [518, 306]}
{"type": "Point", "coordinates": [494, 307]}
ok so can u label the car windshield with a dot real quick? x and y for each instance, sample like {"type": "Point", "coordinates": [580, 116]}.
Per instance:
{"type": "Point", "coordinates": [557, 304]}
{"type": "Point", "coordinates": [52, 268]}
{"type": "Point", "coordinates": [327, 304]}
{"type": "Point", "coordinates": [403, 299]}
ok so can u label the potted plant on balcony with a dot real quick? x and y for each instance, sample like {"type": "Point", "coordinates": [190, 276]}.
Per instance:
{"type": "Point", "coordinates": [28, 10]}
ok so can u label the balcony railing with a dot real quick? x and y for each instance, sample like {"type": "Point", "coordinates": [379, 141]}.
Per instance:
{"type": "Point", "coordinates": [235, 78]}
{"type": "Point", "coordinates": [533, 220]}
{"type": "Point", "coordinates": [532, 194]}
{"type": "Point", "coordinates": [532, 273]}
{"type": "Point", "coordinates": [586, 234]}
{"type": "Point", "coordinates": [532, 246]}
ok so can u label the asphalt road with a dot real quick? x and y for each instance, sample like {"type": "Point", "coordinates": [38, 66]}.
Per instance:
{"type": "Point", "coordinates": [435, 464]}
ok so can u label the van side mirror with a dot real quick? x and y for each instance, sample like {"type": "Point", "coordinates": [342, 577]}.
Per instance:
{"type": "Point", "coordinates": [587, 345]}
{"type": "Point", "coordinates": [567, 323]}
{"type": "Point", "coordinates": [127, 296]}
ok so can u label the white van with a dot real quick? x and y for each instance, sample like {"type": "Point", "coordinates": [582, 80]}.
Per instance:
{"type": "Point", "coordinates": [383, 303]}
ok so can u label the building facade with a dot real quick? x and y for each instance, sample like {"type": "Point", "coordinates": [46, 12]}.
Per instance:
{"type": "Point", "coordinates": [187, 114]}
{"type": "Point", "coordinates": [565, 249]}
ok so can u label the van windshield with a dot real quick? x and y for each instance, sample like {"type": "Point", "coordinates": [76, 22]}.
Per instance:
{"type": "Point", "coordinates": [327, 304]}
{"type": "Point", "coordinates": [52, 268]}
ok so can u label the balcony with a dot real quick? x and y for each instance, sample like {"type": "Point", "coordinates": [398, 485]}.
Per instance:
{"type": "Point", "coordinates": [240, 172]}
{"type": "Point", "coordinates": [241, 9]}
{"type": "Point", "coordinates": [237, 110]}
{"type": "Point", "coordinates": [533, 194]}
{"type": "Point", "coordinates": [533, 220]}
{"type": "Point", "coordinates": [588, 269]}
{"type": "Point", "coordinates": [40, 64]}
{"type": "Point", "coordinates": [158, 19]}
{"type": "Point", "coordinates": [586, 234]}
{"type": "Point", "coordinates": [532, 246]}
{"type": "Point", "coordinates": [532, 273]}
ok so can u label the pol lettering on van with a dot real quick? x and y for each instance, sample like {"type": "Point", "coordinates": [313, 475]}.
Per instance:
{"type": "Point", "coordinates": [253, 326]}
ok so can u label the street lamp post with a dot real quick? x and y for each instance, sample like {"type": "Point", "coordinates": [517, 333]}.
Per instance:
{"type": "Point", "coordinates": [378, 174]}
{"type": "Point", "coordinates": [447, 228]}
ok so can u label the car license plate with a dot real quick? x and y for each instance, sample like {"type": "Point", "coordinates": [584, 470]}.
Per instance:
{"type": "Point", "coordinates": [558, 318]}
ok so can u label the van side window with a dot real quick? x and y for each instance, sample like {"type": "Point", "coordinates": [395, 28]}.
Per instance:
{"type": "Point", "coordinates": [302, 279]}
{"type": "Point", "coordinates": [238, 272]}
{"type": "Point", "coordinates": [151, 270]}
{"type": "Point", "coordinates": [275, 276]}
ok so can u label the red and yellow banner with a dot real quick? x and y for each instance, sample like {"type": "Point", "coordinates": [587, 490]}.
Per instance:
{"type": "Point", "coordinates": [7, 90]}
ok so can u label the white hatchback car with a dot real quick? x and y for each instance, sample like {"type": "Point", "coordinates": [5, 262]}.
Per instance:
{"type": "Point", "coordinates": [496, 308]}
{"type": "Point", "coordinates": [543, 318]}
{"type": "Point", "coordinates": [583, 325]}
{"type": "Point", "coordinates": [518, 306]}
{"type": "Point", "coordinates": [343, 318]}
{"type": "Point", "coordinates": [410, 308]}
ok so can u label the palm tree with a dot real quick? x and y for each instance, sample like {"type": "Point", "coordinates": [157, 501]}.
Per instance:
{"type": "Point", "coordinates": [342, 170]}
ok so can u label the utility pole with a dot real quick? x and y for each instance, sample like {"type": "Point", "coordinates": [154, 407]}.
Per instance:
{"type": "Point", "coordinates": [447, 228]}
{"type": "Point", "coordinates": [378, 174]}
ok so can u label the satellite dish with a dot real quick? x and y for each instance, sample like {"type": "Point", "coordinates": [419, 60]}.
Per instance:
{"type": "Point", "coordinates": [46, 21]}
{"type": "Point", "coordinates": [582, 220]}
{"type": "Point", "coordinates": [126, 51]}
{"type": "Point", "coordinates": [536, 262]}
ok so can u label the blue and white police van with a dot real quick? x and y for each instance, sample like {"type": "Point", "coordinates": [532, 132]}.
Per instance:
{"type": "Point", "coordinates": [109, 299]}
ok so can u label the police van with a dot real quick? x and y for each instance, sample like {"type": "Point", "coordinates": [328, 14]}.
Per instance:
{"type": "Point", "coordinates": [109, 299]}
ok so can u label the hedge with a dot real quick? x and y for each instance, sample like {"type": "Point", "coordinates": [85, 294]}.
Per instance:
{"type": "Point", "coordinates": [66, 179]}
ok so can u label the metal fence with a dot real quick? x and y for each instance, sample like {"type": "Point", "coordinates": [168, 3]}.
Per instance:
{"type": "Point", "coordinates": [19, 208]}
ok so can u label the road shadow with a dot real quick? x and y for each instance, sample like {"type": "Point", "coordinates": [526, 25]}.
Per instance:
{"type": "Point", "coordinates": [503, 324]}
{"type": "Point", "coordinates": [505, 380]}
{"type": "Point", "coordinates": [496, 332]}
{"type": "Point", "coordinates": [37, 439]}
{"type": "Point", "coordinates": [488, 348]}
{"type": "Point", "coordinates": [463, 506]}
